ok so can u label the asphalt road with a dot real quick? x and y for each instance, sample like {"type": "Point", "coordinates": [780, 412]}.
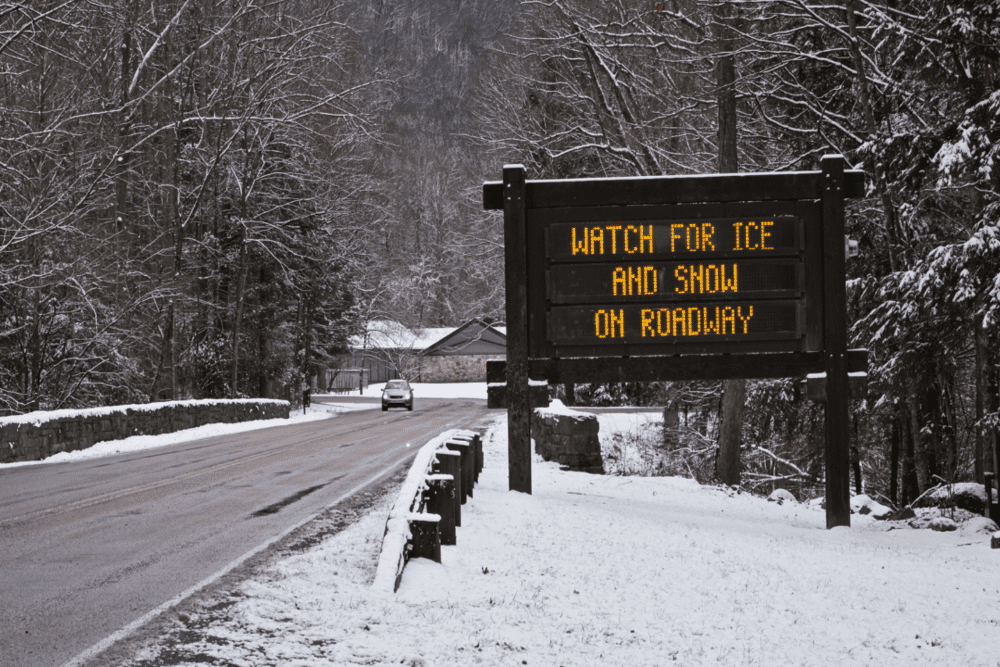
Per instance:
{"type": "Point", "coordinates": [89, 547]}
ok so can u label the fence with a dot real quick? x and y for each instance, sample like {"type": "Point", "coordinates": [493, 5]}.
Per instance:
{"type": "Point", "coordinates": [429, 506]}
{"type": "Point", "coordinates": [346, 379]}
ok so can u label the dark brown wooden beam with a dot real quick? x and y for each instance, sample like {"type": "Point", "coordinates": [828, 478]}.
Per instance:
{"type": "Point", "coordinates": [838, 435]}
{"type": "Point", "coordinates": [515, 261]}
{"type": "Point", "coordinates": [687, 367]}
{"type": "Point", "coordinates": [673, 189]}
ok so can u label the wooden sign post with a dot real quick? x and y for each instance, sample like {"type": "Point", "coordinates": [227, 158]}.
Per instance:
{"type": "Point", "coordinates": [518, 412]}
{"type": "Point", "coordinates": [678, 278]}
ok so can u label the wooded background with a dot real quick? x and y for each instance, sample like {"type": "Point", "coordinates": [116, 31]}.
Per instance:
{"type": "Point", "coordinates": [203, 198]}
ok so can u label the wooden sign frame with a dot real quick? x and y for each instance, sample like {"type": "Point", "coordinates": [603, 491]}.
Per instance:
{"type": "Point", "coordinates": [543, 350]}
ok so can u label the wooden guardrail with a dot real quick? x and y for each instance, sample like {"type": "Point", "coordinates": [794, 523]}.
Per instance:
{"type": "Point", "coordinates": [429, 506]}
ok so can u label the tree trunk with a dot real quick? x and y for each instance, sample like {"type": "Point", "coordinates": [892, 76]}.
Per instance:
{"type": "Point", "coordinates": [671, 418]}
{"type": "Point", "coordinates": [919, 448]}
{"type": "Point", "coordinates": [307, 340]}
{"type": "Point", "coordinates": [894, 461]}
{"type": "Point", "coordinates": [124, 129]}
{"type": "Point", "coordinates": [948, 440]}
{"type": "Point", "coordinates": [888, 210]}
{"type": "Point", "coordinates": [856, 457]}
{"type": "Point", "coordinates": [34, 384]}
{"type": "Point", "coordinates": [171, 211]}
{"type": "Point", "coordinates": [978, 456]}
{"type": "Point", "coordinates": [727, 466]}
{"type": "Point", "coordinates": [932, 431]}
{"type": "Point", "coordinates": [173, 351]}
{"type": "Point", "coordinates": [733, 391]}
{"type": "Point", "coordinates": [240, 282]}
{"type": "Point", "coordinates": [264, 326]}
{"type": "Point", "coordinates": [992, 391]}
{"type": "Point", "coordinates": [909, 471]}
{"type": "Point", "coordinates": [264, 350]}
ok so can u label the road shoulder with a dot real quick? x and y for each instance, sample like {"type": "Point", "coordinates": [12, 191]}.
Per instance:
{"type": "Point", "coordinates": [187, 623]}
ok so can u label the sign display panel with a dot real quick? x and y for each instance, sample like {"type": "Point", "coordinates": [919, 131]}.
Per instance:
{"type": "Point", "coordinates": [610, 324]}
{"type": "Point", "coordinates": [675, 281]}
{"type": "Point", "coordinates": [675, 239]}
{"type": "Point", "coordinates": [714, 282]}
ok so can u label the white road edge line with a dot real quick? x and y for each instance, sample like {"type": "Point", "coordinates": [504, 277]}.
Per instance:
{"type": "Point", "coordinates": [105, 643]}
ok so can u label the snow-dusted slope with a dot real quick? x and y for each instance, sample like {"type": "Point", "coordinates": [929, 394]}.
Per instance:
{"type": "Point", "coordinates": [598, 570]}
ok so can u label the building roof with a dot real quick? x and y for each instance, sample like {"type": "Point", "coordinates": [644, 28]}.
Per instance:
{"type": "Point", "coordinates": [387, 334]}
{"type": "Point", "coordinates": [473, 337]}
{"type": "Point", "coordinates": [466, 339]}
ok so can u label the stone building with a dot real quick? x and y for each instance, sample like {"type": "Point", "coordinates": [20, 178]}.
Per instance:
{"type": "Point", "coordinates": [390, 350]}
{"type": "Point", "coordinates": [461, 355]}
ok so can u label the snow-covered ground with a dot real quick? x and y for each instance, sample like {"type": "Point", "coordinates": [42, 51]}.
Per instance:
{"type": "Point", "coordinates": [606, 570]}
{"type": "Point", "coordinates": [627, 441]}
{"type": "Point", "coordinates": [314, 412]}
{"type": "Point", "coordinates": [426, 390]}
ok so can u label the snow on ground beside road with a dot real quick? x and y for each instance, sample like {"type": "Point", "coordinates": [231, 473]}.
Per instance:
{"type": "Point", "coordinates": [137, 443]}
{"type": "Point", "coordinates": [628, 442]}
{"type": "Point", "coordinates": [428, 390]}
{"type": "Point", "coordinates": [603, 570]}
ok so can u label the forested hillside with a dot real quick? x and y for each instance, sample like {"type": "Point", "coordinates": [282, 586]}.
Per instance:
{"type": "Point", "coordinates": [201, 199]}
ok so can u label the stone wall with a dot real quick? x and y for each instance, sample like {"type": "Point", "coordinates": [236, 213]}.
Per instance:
{"type": "Point", "coordinates": [567, 437]}
{"type": "Point", "coordinates": [454, 368]}
{"type": "Point", "coordinates": [38, 435]}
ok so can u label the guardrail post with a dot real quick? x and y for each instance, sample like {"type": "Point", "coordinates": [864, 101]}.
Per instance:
{"type": "Point", "coordinates": [426, 538]}
{"type": "Point", "coordinates": [475, 452]}
{"type": "Point", "coordinates": [479, 456]}
{"type": "Point", "coordinates": [441, 501]}
{"type": "Point", "coordinates": [462, 447]}
{"type": "Point", "coordinates": [449, 463]}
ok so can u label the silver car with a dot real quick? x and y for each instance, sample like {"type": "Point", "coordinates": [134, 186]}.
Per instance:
{"type": "Point", "coordinates": [397, 393]}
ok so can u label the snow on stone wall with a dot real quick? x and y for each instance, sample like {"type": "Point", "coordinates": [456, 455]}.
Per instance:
{"type": "Point", "coordinates": [568, 437]}
{"type": "Point", "coordinates": [38, 435]}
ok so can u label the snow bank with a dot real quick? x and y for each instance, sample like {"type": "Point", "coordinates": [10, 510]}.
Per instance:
{"type": "Point", "coordinates": [863, 504]}
{"type": "Point", "coordinates": [967, 495]}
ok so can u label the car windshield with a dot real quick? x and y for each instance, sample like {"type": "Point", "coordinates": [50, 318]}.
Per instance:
{"type": "Point", "coordinates": [397, 384]}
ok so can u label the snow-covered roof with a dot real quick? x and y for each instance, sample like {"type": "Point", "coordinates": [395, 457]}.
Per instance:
{"type": "Point", "coordinates": [391, 335]}
{"type": "Point", "coordinates": [427, 337]}
{"type": "Point", "coordinates": [387, 334]}
{"type": "Point", "coordinates": [473, 337]}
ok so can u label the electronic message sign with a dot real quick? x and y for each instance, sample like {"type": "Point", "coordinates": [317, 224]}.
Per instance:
{"type": "Point", "coordinates": [657, 279]}
{"type": "Point", "coordinates": [676, 278]}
